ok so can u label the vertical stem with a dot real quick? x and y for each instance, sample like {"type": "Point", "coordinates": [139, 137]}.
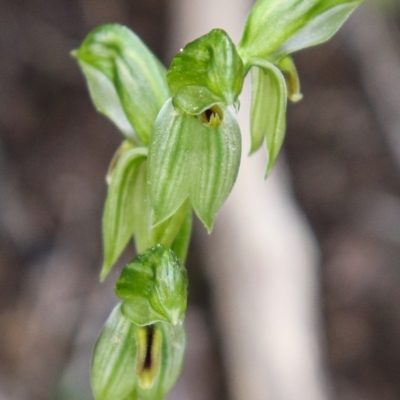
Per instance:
{"type": "Point", "coordinates": [262, 257]}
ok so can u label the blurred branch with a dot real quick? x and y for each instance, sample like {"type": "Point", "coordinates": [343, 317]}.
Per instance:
{"type": "Point", "coordinates": [373, 40]}
{"type": "Point", "coordinates": [262, 258]}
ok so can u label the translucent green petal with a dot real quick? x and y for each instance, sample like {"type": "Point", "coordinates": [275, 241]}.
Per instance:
{"type": "Point", "coordinates": [170, 154]}
{"type": "Point", "coordinates": [215, 167]}
{"type": "Point", "coordinates": [105, 98]}
{"type": "Point", "coordinates": [122, 207]}
{"type": "Point", "coordinates": [126, 81]}
{"type": "Point", "coordinates": [193, 157]}
{"type": "Point", "coordinates": [268, 109]}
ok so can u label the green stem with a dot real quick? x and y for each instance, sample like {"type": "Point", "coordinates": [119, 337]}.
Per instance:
{"type": "Point", "coordinates": [166, 232]}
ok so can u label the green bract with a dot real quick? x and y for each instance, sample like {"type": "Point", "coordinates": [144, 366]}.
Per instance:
{"type": "Point", "coordinates": [153, 287]}
{"type": "Point", "coordinates": [126, 81]}
{"type": "Point", "coordinates": [189, 159]}
{"type": "Point", "coordinates": [206, 72]}
{"type": "Point", "coordinates": [131, 362]}
{"type": "Point", "coordinates": [268, 109]}
{"type": "Point", "coordinates": [275, 28]}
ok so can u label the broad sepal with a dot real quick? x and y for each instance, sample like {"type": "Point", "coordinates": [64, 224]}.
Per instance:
{"type": "Point", "coordinates": [193, 156]}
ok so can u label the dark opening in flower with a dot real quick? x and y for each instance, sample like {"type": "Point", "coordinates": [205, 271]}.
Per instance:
{"type": "Point", "coordinates": [212, 117]}
{"type": "Point", "coordinates": [149, 354]}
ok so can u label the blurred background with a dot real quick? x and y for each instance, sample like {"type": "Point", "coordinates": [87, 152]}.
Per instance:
{"type": "Point", "coordinates": [343, 156]}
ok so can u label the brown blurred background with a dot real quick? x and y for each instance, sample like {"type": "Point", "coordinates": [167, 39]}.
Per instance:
{"type": "Point", "coordinates": [344, 157]}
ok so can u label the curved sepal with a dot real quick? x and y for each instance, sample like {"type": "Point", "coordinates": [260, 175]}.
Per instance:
{"type": "Point", "coordinates": [289, 70]}
{"type": "Point", "coordinates": [268, 109]}
{"type": "Point", "coordinates": [126, 81]}
{"type": "Point", "coordinates": [210, 62]}
{"type": "Point", "coordinates": [123, 208]}
{"type": "Point", "coordinates": [153, 287]}
{"type": "Point", "coordinates": [187, 158]}
{"type": "Point", "coordinates": [275, 28]}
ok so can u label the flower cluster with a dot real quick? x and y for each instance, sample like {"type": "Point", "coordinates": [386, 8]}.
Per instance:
{"type": "Point", "coordinates": [181, 153]}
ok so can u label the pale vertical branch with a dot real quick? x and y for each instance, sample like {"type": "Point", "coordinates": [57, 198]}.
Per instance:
{"type": "Point", "coordinates": [262, 258]}
{"type": "Point", "coordinates": [374, 43]}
